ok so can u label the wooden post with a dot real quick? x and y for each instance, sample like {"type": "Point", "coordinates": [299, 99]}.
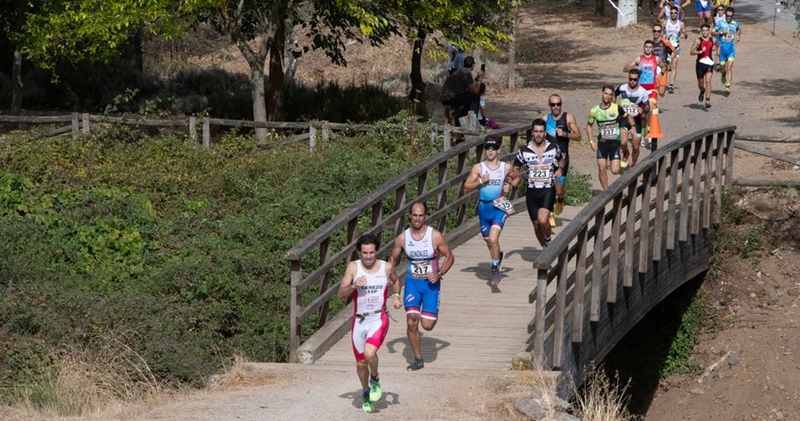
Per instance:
{"type": "Point", "coordinates": [447, 140]}
{"type": "Point", "coordinates": [294, 310]}
{"type": "Point", "coordinates": [75, 126]}
{"type": "Point", "coordinates": [193, 129]}
{"type": "Point", "coordinates": [312, 137]}
{"type": "Point", "coordinates": [206, 133]}
{"type": "Point", "coordinates": [326, 132]}
{"type": "Point", "coordinates": [85, 124]}
{"type": "Point", "coordinates": [538, 330]}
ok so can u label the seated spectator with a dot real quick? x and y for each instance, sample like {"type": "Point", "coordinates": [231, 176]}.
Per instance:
{"type": "Point", "coordinates": [482, 119]}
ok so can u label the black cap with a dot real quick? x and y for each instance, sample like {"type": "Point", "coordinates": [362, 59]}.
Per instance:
{"type": "Point", "coordinates": [493, 142]}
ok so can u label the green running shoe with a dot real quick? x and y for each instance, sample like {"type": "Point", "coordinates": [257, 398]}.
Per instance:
{"type": "Point", "coordinates": [367, 406]}
{"type": "Point", "coordinates": [375, 391]}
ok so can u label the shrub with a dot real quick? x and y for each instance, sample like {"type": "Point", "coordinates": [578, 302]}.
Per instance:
{"type": "Point", "coordinates": [174, 251]}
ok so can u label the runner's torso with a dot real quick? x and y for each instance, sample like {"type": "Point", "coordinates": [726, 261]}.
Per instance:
{"type": "Point", "coordinates": [421, 254]}
{"type": "Point", "coordinates": [540, 168]}
{"type": "Point", "coordinates": [706, 45]}
{"type": "Point", "coordinates": [550, 131]}
{"type": "Point", "coordinates": [608, 121]}
{"type": "Point", "coordinates": [660, 49]}
{"type": "Point", "coordinates": [731, 26]}
{"type": "Point", "coordinates": [371, 297]}
{"type": "Point", "coordinates": [493, 188]}
{"type": "Point", "coordinates": [673, 32]}
{"type": "Point", "coordinates": [629, 100]}
{"type": "Point", "coordinates": [648, 66]}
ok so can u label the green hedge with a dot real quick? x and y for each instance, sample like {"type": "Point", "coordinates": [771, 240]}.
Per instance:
{"type": "Point", "coordinates": [177, 249]}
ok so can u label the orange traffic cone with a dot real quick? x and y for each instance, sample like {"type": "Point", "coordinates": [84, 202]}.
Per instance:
{"type": "Point", "coordinates": [655, 125]}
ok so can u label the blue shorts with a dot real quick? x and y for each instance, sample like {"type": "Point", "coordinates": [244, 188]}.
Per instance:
{"type": "Point", "coordinates": [490, 216]}
{"type": "Point", "coordinates": [726, 52]}
{"type": "Point", "coordinates": [700, 8]}
{"type": "Point", "coordinates": [422, 297]}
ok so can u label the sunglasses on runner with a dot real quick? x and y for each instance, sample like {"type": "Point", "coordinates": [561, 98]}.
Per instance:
{"type": "Point", "coordinates": [555, 104]}
{"type": "Point", "coordinates": [633, 79]}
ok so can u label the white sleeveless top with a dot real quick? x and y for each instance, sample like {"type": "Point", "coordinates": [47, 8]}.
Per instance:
{"type": "Point", "coordinates": [420, 254]}
{"type": "Point", "coordinates": [372, 296]}
{"type": "Point", "coordinates": [673, 32]}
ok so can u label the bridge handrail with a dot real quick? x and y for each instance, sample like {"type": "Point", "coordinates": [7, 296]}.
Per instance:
{"type": "Point", "coordinates": [705, 168]}
{"type": "Point", "coordinates": [404, 189]}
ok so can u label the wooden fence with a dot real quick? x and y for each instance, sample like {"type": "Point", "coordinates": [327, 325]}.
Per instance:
{"type": "Point", "coordinates": [81, 125]}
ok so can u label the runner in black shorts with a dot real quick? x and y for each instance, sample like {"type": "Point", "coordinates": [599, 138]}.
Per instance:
{"type": "Point", "coordinates": [543, 163]}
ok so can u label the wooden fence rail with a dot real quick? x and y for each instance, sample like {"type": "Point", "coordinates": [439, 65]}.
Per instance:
{"type": "Point", "coordinates": [80, 125]}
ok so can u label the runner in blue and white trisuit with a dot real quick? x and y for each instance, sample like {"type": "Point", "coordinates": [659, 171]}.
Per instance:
{"type": "Point", "coordinates": [543, 163]}
{"type": "Point", "coordinates": [368, 281]}
{"type": "Point", "coordinates": [423, 247]}
{"type": "Point", "coordinates": [490, 178]}
{"type": "Point", "coordinates": [727, 31]}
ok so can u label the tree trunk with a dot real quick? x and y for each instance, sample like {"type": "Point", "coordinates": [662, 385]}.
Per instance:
{"type": "Point", "coordinates": [16, 83]}
{"type": "Point", "coordinates": [138, 50]}
{"type": "Point", "coordinates": [598, 6]}
{"type": "Point", "coordinates": [259, 101]}
{"type": "Point", "coordinates": [417, 94]}
{"type": "Point", "coordinates": [627, 13]}
{"type": "Point", "coordinates": [275, 106]}
{"type": "Point", "coordinates": [512, 51]}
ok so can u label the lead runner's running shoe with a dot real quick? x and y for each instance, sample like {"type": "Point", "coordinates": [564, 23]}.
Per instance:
{"type": "Point", "coordinates": [367, 406]}
{"type": "Point", "coordinates": [375, 391]}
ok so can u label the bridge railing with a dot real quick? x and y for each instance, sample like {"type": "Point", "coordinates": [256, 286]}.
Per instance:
{"type": "Point", "coordinates": [324, 254]}
{"type": "Point", "coordinates": [666, 200]}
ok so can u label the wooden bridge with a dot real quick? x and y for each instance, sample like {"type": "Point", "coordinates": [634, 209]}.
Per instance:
{"type": "Point", "coordinates": [610, 262]}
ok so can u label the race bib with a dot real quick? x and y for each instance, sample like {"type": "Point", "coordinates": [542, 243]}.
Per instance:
{"type": "Point", "coordinates": [539, 174]}
{"type": "Point", "coordinates": [504, 205]}
{"type": "Point", "coordinates": [631, 109]}
{"type": "Point", "coordinates": [704, 3]}
{"type": "Point", "coordinates": [728, 37]}
{"type": "Point", "coordinates": [707, 60]}
{"type": "Point", "coordinates": [420, 270]}
{"type": "Point", "coordinates": [609, 133]}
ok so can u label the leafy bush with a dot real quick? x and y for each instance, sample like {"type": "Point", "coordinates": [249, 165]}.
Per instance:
{"type": "Point", "coordinates": [176, 251]}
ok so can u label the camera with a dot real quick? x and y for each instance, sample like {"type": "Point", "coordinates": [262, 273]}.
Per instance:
{"type": "Point", "coordinates": [483, 67]}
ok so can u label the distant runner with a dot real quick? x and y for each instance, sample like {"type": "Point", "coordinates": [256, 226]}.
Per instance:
{"type": "Point", "coordinates": [704, 48]}
{"type": "Point", "coordinates": [561, 128]}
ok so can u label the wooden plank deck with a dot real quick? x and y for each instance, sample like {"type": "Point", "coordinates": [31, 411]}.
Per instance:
{"type": "Point", "coordinates": [480, 327]}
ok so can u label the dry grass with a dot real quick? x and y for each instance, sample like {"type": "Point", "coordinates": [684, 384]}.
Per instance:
{"type": "Point", "coordinates": [602, 399]}
{"type": "Point", "coordinates": [242, 374]}
{"type": "Point", "coordinates": [83, 382]}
